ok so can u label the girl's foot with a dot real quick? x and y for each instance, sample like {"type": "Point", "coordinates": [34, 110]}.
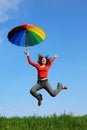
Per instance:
{"type": "Point", "coordinates": [61, 86]}
{"type": "Point", "coordinates": [39, 100]}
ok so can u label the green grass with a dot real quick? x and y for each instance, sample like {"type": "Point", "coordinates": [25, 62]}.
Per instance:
{"type": "Point", "coordinates": [62, 122]}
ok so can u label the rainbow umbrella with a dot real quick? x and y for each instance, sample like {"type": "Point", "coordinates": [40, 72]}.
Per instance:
{"type": "Point", "coordinates": [26, 35]}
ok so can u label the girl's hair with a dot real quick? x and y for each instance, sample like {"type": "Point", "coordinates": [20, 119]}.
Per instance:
{"type": "Point", "coordinates": [40, 59]}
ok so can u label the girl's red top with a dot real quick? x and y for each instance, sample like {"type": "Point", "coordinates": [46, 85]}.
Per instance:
{"type": "Point", "coordinates": [42, 71]}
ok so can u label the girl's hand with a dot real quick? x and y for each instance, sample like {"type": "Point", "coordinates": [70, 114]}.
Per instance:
{"type": "Point", "coordinates": [26, 53]}
{"type": "Point", "coordinates": [55, 56]}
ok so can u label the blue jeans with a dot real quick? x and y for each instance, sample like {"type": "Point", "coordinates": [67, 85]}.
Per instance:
{"type": "Point", "coordinates": [45, 85]}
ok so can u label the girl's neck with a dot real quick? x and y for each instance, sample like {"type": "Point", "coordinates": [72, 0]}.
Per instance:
{"type": "Point", "coordinates": [42, 65]}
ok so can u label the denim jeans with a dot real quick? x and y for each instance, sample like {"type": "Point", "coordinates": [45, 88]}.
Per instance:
{"type": "Point", "coordinates": [45, 85]}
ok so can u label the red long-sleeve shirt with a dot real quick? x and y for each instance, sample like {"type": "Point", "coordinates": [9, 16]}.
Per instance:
{"type": "Point", "coordinates": [42, 71]}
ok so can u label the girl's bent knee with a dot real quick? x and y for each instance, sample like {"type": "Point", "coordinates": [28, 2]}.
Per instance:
{"type": "Point", "coordinates": [53, 95]}
{"type": "Point", "coordinates": [31, 91]}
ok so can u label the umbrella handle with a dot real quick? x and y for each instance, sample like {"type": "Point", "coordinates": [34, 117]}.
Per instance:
{"type": "Point", "coordinates": [26, 51]}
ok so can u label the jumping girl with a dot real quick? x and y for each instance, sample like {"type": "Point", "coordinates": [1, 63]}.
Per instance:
{"type": "Point", "coordinates": [43, 65]}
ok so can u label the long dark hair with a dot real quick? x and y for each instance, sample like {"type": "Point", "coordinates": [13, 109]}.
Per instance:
{"type": "Point", "coordinates": [40, 59]}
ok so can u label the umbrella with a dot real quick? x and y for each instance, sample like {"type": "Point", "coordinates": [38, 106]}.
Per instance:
{"type": "Point", "coordinates": [26, 35]}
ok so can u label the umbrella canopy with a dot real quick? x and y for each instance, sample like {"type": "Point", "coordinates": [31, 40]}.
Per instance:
{"type": "Point", "coordinates": [26, 35]}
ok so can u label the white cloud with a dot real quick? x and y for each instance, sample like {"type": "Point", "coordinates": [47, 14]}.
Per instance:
{"type": "Point", "coordinates": [5, 6]}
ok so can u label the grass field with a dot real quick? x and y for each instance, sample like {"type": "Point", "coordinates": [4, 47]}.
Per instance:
{"type": "Point", "coordinates": [62, 122]}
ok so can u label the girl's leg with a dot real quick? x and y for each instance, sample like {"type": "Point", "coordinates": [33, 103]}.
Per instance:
{"type": "Point", "coordinates": [49, 89]}
{"type": "Point", "coordinates": [34, 89]}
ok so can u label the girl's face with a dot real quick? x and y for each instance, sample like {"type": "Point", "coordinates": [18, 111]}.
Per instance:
{"type": "Point", "coordinates": [43, 61]}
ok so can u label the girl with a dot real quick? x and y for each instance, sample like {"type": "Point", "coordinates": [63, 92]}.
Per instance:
{"type": "Point", "coordinates": [44, 63]}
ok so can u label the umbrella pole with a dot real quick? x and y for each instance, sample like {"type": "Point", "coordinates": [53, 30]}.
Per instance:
{"type": "Point", "coordinates": [26, 48]}
{"type": "Point", "coordinates": [26, 41]}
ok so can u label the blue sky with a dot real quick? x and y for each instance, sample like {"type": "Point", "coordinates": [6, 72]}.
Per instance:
{"type": "Point", "coordinates": [65, 25]}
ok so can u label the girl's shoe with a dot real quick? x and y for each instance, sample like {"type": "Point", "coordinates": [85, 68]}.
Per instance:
{"type": "Point", "coordinates": [64, 87]}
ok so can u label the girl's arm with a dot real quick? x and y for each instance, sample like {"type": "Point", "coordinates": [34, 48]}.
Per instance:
{"type": "Point", "coordinates": [29, 59]}
{"type": "Point", "coordinates": [52, 60]}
